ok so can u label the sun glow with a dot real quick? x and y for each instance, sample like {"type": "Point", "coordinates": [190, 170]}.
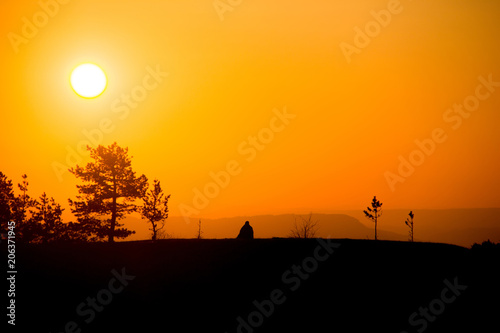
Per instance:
{"type": "Point", "coordinates": [88, 80]}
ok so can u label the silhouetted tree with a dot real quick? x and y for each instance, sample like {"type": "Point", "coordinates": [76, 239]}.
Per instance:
{"type": "Point", "coordinates": [109, 193]}
{"type": "Point", "coordinates": [46, 221]}
{"type": "Point", "coordinates": [21, 202]}
{"type": "Point", "coordinates": [36, 220]}
{"type": "Point", "coordinates": [155, 208]}
{"type": "Point", "coordinates": [199, 230]}
{"type": "Point", "coordinates": [87, 229]}
{"type": "Point", "coordinates": [25, 230]}
{"type": "Point", "coordinates": [409, 223]}
{"type": "Point", "coordinates": [6, 199]}
{"type": "Point", "coordinates": [374, 212]}
{"type": "Point", "coordinates": [305, 228]}
{"type": "Point", "coordinates": [486, 254]}
{"type": "Point", "coordinates": [486, 246]}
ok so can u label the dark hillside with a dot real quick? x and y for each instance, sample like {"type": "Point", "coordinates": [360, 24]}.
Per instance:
{"type": "Point", "coordinates": [205, 285]}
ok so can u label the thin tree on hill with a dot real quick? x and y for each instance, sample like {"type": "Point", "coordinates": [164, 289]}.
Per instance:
{"type": "Point", "coordinates": [155, 208]}
{"type": "Point", "coordinates": [305, 228]}
{"type": "Point", "coordinates": [199, 230]}
{"type": "Point", "coordinates": [109, 192]}
{"type": "Point", "coordinates": [374, 212]}
{"type": "Point", "coordinates": [409, 223]}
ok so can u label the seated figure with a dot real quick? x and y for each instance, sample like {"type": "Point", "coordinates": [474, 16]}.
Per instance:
{"type": "Point", "coordinates": [246, 232]}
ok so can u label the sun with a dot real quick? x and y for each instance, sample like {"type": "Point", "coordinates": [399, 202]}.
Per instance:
{"type": "Point", "coordinates": [88, 80]}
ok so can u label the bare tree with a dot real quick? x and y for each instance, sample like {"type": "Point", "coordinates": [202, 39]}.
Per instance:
{"type": "Point", "coordinates": [409, 223]}
{"type": "Point", "coordinates": [161, 233]}
{"type": "Point", "coordinates": [305, 228]}
{"type": "Point", "coordinates": [374, 212]}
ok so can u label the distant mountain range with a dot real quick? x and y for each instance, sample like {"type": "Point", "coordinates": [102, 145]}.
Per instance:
{"type": "Point", "coordinates": [454, 226]}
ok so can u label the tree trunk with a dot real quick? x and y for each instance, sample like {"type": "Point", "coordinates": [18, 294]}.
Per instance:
{"type": "Point", "coordinates": [412, 230]}
{"type": "Point", "coordinates": [113, 222]}
{"type": "Point", "coordinates": [375, 227]}
{"type": "Point", "coordinates": [113, 214]}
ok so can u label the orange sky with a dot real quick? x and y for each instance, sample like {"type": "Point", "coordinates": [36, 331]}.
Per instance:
{"type": "Point", "coordinates": [351, 116]}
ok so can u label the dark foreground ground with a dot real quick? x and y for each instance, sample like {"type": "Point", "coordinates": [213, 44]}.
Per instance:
{"type": "Point", "coordinates": [253, 286]}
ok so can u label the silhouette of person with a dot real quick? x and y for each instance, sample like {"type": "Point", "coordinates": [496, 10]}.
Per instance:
{"type": "Point", "coordinates": [246, 231]}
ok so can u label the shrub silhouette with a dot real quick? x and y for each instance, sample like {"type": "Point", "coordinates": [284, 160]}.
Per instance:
{"type": "Point", "coordinates": [306, 228]}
